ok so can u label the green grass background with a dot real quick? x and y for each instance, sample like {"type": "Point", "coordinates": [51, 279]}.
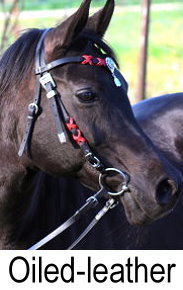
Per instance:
{"type": "Point", "coordinates": [165, 64]}
{"type": "Point", "coordinates": [53, 4]}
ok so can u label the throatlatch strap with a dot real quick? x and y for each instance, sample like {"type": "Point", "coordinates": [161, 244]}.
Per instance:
{"type": "Point", "coordinates": [28, 130]}
{"type": "Point", "coordinates": [33, 112]}
{"type": "Point", "coordinates": [34, 107]}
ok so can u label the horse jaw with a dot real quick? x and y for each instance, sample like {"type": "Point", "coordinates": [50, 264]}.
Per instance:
{"type": "Point", "coordinates": [89, 176]}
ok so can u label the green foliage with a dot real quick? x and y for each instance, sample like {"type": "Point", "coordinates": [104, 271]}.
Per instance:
{"type": "Point", "coordinates": [165, 64]}
{"type": "Point", "coordinates": [60, 4]}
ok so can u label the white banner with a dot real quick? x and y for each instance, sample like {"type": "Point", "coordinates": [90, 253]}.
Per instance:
{"type": "Point", "coordinates": [91, 269]}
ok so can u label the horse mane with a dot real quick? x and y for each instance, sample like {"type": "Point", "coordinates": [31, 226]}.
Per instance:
{"type": "Point", "coordinates": [19, 57]}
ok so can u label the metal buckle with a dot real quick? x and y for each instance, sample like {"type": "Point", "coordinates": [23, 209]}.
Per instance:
{"type": "Point", "coordinates": [33, 109]}
{"type": "Point", "coordinates": [45, 79]}
{"type": "Point", "coordinates": [94, 161]}
{"type": "Point", "coordinates": [112, 203]}
{"type": "Point", "coordinates": [125, 181]}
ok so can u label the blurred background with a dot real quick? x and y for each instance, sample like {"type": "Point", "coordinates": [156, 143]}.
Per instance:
{"type": "Point", "coordinates": [149, 49]}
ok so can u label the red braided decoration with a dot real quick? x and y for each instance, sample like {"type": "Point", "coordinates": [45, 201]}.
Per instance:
{"type": "Point", "coordinates": [101, 62]}
{"type": "Point", "coordinates": [78, 138]}
{"type": "Point", "coordinates": [87, 59]}
{"type": "Point", "coordinates": [96, 61]}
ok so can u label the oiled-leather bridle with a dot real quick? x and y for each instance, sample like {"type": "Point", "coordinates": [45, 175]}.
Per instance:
{"type": "Point", "coordinates": [64, 123]}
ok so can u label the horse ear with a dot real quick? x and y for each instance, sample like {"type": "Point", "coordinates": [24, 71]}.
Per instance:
{"type": "Point", "coordinates": [100, 20]}
{"type": "Point", "coordinates": [62, 35]}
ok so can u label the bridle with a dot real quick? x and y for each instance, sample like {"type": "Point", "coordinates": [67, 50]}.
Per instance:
{"type": "Point", "coordinates": [65, 123]}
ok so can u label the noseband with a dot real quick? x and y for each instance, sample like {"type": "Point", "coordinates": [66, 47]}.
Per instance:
{"type": "Point", "coordinates": [65, 123]}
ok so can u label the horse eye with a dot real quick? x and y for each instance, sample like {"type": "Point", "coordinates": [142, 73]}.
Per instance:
{"type": "Point", "coordinates": [86, 96]}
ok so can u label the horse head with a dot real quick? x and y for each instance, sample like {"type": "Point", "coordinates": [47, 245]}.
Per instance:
{"type": "Point", "coordinates": [95, 96]}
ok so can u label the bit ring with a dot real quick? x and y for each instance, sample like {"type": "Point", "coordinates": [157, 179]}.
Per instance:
{"type": "Point", "coordinates": [124, 175]}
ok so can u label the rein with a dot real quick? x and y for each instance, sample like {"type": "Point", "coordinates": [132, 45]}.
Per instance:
{"type": "Point", "coordinates": [64, 122]}
{"type": "Point", "coordinates": [91, 202]}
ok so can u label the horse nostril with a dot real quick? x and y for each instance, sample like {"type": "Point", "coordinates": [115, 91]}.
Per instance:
{"type": "Point", "coordinates": [165, 191]}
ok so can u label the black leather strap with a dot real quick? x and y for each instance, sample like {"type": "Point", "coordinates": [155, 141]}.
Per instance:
{"type": "Point", "coordinates": [90, 203]}
{"type": "Point", "coordinates": [33, 108]}
{"type": "Point", "coordinates": [33, 111]}
{"type": "Point", "coordinates": [111, 203]}
{"type": "Point", "coordinates": [58, 62]}
{"type": "Point", "coordinates": [56, 110]}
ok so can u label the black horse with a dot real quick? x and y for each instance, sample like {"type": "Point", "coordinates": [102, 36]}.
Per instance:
{"type": "Point", "coordinates": [161, 119]}
{"type": "Point", "coordinates": [91, 90]}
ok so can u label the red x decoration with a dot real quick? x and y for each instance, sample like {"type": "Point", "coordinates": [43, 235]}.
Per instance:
{"type": "Point", "coordinates": [78, 138]}
{"type": "Point", "coordinates": [96, 61]}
